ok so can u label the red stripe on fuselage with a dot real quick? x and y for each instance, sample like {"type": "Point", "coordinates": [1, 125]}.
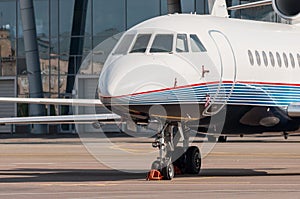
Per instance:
{"type": "Point", "coordinates": [201, 84]}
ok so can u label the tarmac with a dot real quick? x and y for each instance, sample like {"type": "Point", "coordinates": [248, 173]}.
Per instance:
{"type": "Point", "coordinates": [61, 167]}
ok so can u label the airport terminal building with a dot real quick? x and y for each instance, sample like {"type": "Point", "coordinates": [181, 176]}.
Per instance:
{"type": "Point", "coordinates": [67, 31]}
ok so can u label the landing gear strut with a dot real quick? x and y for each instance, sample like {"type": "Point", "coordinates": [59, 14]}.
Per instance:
{"type": "Point", "coordinates": [174, 159]}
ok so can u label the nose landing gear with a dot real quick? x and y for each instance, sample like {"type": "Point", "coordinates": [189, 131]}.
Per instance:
{"type": "Point", "coordinates": [174, 159]}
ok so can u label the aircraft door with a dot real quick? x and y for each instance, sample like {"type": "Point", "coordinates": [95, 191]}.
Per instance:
{"type": "Point", "coordinates": [226, 63]}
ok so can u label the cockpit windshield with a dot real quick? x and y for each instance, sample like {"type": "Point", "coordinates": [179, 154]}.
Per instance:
{"type": "Point", "coordinates": [182, 43]}
{"type": "Point", "coordinates": [124, 45]}
{"type": "Point", "coordinates": [162, 43]}
{"type": "Point", "coordinates": [141, 43]}
{"type": "Point", "coordinates": [196, 44]}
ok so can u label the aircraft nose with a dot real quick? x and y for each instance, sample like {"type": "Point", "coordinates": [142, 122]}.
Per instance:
{"type": "Point", "coordinates": [105, 80]}
{"type": "Point", "coordinates": [136, 73]}
{"type": "Point", "coordinates": [121, 76]}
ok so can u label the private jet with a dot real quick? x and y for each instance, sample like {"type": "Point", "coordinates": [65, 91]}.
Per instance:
{"type": "Point", "coordinates": [208, 73]}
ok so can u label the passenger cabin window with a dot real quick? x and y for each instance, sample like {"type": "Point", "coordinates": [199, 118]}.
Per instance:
{"type": "Point", "coordinates": [298, 57]}
{"type": "Point", "coordinates": [265, 58]}
{"type": "Point", "coordinates": [292, 60]}
{"type": "Point", "coordinates": [258, 58]}
{"type": "Point", "coordinates": [141, 43]}
{"type": "Point", "coordinates": [196, 44]}
{"type": "Point", "coordinates": [279, 59]}
{"type": "Point", "coordinates": [124, 45]}
{"type": "Point", "coordinates": [251, 59]}
{"type": "Point", "coordinates": [272, 59]}
{"type": "Point", "coordinates": [181, 43]}
{"type": "Point", "coordinates": [285, 59]}
{"type": "Point", "coordinates": [162, 43]}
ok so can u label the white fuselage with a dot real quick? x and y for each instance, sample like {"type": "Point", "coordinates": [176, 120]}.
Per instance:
{"type": "Point", "coordinates": [245, 63]}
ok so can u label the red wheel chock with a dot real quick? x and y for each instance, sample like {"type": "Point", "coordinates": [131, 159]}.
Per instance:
{"type": "Point", "coordinates": [154, 175]}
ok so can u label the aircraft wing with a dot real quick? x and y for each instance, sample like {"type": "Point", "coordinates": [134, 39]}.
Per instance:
{"type": "Point", "coordinates": [52, 101]}
{"type": "Point", "coordinates": [63, 119]}
{"type": "Point", "coordinates": [67, 119]}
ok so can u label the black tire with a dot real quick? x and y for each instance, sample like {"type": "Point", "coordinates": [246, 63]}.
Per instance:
{"type": "Point", "coordinates": [155, 165]}
{"type": "Point", "coordinates": [193, 160]}
{"type": "Point", "coordinates": [168, 172]}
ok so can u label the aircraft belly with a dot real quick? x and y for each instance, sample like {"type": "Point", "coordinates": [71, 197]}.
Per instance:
{"type": "Point", "coordinates": [231, 119]}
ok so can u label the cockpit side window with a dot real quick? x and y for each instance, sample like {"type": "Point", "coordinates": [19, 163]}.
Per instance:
{"type": "Point", "coordinates": [124, 45]}
{"type": "Point", "coordinates": [181, 43]}
{"type": "Point", "coordinates": [162, 43]}
{"type": "Point", "coordinates": [141, 43]}
{"type": "Point", "coordinates": [196, 44]}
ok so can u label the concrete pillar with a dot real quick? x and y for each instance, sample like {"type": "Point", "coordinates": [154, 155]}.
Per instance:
{"type": "Point", "coordinates": [33, 62]}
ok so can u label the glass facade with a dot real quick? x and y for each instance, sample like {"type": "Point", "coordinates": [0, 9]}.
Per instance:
{"type": "Point", "coordinates": [104, 18]}
{"type": "Point", "coordinates": [54, 20]}
{"type": "Point", "coordinates": [264, 13]}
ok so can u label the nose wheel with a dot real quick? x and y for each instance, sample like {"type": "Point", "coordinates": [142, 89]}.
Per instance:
{"type": "Point", "coordinates": [168, 172]}
{"type": "Point", "coordinates": [174, 159]}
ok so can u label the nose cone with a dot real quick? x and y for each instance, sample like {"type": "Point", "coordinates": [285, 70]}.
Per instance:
{"type": "Point", "coordinates": [114, 79]}
{"type": "Point", "coordinates": [132, 74]}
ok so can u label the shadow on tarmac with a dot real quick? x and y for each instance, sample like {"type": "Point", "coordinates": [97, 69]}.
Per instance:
{"type": "Point", "coordinates": [74, 175]}
{"type": "Point", "coordinates": [66, 175]}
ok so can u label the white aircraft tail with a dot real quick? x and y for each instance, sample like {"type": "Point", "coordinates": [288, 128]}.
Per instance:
{"type": "Point", "coordinates": [218, 8]}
